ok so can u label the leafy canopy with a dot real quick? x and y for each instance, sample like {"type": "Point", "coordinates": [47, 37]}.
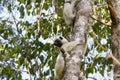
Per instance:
{"type": "Point", "coordinates": [23, 25]}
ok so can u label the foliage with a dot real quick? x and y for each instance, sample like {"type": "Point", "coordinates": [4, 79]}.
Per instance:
{"type": "Point", "coordinates": [21, 47]}
{"type": "Point", "coordinates": [96, 61]}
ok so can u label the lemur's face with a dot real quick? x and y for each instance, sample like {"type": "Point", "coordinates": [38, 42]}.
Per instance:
{"type": "Point", "coordinates": [59, 41]}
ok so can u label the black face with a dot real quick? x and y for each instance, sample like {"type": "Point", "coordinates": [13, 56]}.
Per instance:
{"type": "Point", "coordinates": [57, 43]}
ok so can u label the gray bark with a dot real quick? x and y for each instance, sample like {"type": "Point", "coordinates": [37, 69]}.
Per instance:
{"type": "Point", "coordinates": [83, 9]}
{"type": "Point", "coordinates": [114, 7]}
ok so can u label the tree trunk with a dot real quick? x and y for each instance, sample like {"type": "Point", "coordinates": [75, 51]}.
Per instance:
{"type": "Point", "coordinates": [83, 8]}
{"type": "Point", "coordinates": [114, 7]}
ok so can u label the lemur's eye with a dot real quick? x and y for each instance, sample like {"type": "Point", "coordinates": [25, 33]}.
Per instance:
{"type": "Point", "coordinates": [60, 37]}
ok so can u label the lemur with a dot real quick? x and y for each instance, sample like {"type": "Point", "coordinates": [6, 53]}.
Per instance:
{"type": "Point", "coordinates": [65, 46]}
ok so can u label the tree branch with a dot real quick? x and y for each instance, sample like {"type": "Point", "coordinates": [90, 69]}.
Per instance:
{"type": "Point", "coordinates": [116, 61]}
{"type": "Point", "coordinates": [97, 18]}
{"type": "Point", "coordinates": [94, 37]}
{"type": "Point", "coordinates": [40, 11]}
{"type": "Point", "coordinates": [100, 20]}
{"type": "Point", "coordinates": [112, 13]}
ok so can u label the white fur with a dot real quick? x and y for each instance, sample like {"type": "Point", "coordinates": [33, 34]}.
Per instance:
{"type": "Point", "coordinates": [59, 66]}
{"type": "Point", "coordinates": [68, 12]}
{"type": "Point", "coordinates": [60, 63]}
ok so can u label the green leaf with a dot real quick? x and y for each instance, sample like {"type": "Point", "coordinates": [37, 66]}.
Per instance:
{"type": "Point", "coordinates": [41, 58]}
{"type": "Point", "coordinates": [46, 73]}
{"type": "Point", "coordinates": [9, 7]}
{"type": "Point", "coordinates": [21, 9]}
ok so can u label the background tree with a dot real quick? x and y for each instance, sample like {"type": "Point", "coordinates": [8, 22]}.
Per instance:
{"type": "Point", "coordinates": [114, 7]}
{"type": "Point", "coordinates": [25, 26]}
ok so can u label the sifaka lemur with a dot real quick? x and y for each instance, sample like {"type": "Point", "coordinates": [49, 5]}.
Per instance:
{"type": "Point", "coordinates": [65, 47]}
{"type": "Point", "coordinates": [69, 11]}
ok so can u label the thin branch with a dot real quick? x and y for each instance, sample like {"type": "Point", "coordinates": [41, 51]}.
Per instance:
{"type": "Point", "coordinates": [117, 75]}
{"type": "Point", "coordinates": [97, 18]}
{"type": "Point", "coordinates": [29, 74]}
{"type": "Point", "coordinates": [56, 5]}
{"type": "Point", "coordinates": [94, 37]}
{"type": "Point", "coordinates": [41, 7]}
{"type": "Point", "coordinates": [18, 29]}
{"type": "Point", "coordinates": [14, 68]}
{"type": "Point", "coordinates": [113, 14]}
{"type": "Point", "coordinates": [100, 20]}
{"type": "Point", "coordinates": [92, 78]}
{"type": "Point", "coordinates": [85, 50]}
{"type": "Point", "coordinates": [15, 21]}
{"type": "Point", "coordinates": [28, 68]}
{"type": "Point", "coordinates": [116, 61]}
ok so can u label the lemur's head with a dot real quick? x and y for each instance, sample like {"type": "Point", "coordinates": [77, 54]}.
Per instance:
{"type": "Point", "coordinates": [59, 41]}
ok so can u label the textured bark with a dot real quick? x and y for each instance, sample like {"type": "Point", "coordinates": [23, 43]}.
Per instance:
{"type": "Point", "coordinates": [83, 8]}
{"type": "Point", "coordinates": [114, 7]}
